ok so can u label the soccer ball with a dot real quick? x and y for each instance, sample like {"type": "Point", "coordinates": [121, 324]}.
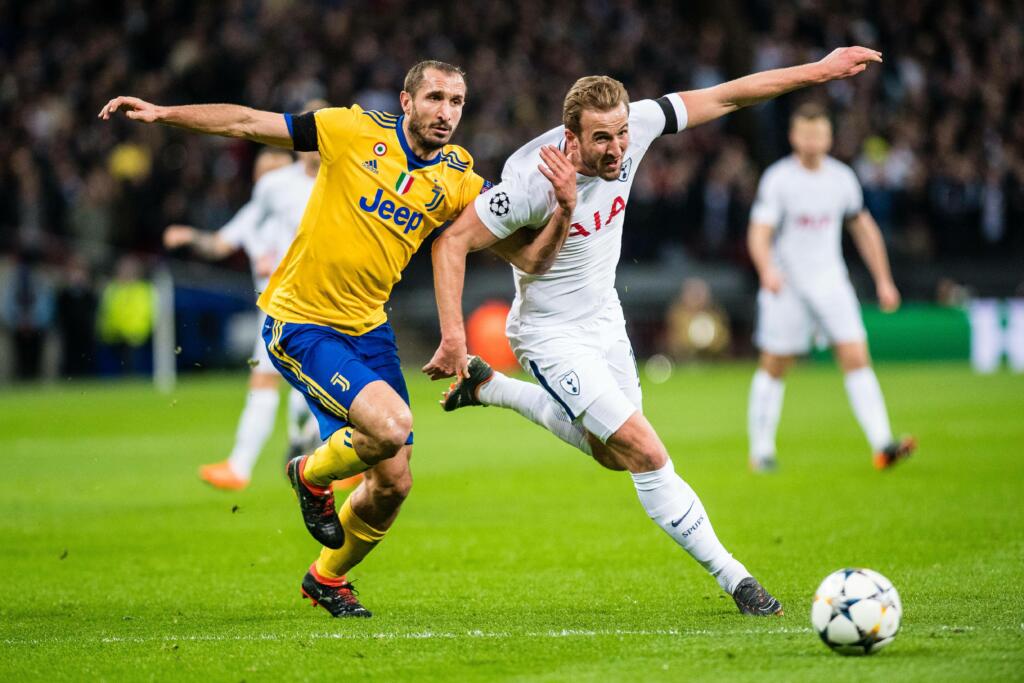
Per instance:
{"type": "Point", "coordinates": [856, 611]}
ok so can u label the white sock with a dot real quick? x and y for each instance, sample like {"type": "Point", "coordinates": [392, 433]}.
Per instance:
{"type": "Point", "coordinates": [298, 415]}
{"type": "Point", "coordinates": [869, 406]}
{"type": "Point", "coordinates": [674, 506]}
{"type": "Point", "coordinates": [254, 428]}
{"type": "Point", "coordinates": [1015, 334]}
{"type": "Point", "coordinates": [986, 335]}
{"type": "Point", "coordinates": [763, 410]}
{"type": "Point", "coordinates": [533, 403]}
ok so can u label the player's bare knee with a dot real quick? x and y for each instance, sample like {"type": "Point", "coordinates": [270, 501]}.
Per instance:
{"type": "Point", "coordinates": [852, 357]}
{"type": "Point", "coordinates": [774, 365]}
{"type": "Point", "coordinates": [395, 431]}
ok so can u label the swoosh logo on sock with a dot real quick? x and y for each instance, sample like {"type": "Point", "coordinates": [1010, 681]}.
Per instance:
{"type": "Point", "coordinates": [677, 522]}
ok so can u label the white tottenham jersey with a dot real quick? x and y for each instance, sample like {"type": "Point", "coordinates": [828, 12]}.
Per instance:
{"type": "Point", "coordinates": [266, 225]}
{"type": "Point", "coordinates": [807, 209]}
{"type": "Point", "coordinates": [582, 280]}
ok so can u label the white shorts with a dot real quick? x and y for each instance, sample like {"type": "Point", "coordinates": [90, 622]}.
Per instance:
{"type": "Point", "coordinates": [587, 368]}
{"type": "Point", "coordinates": [260, 360]}
{"type": "Point", "coordinates": [787, 321]}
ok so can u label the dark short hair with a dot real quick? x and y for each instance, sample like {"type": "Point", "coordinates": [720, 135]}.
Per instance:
{"type": "Point", "coordinates": [414, 79]}
{"type": "Point", "coordinates": [808, 111]}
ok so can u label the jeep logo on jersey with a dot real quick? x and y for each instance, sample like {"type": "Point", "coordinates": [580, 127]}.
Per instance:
{"type": "Point", "coordinates": [624, 173]}
{"type": "Point", "coordinates": [570, 383]}
{"type": "Point", "coordinates": [500, 204]}
{"type": "Point", "coordinates": [402, 216]}
{"type": "Point", "coordinates": [618, 206]}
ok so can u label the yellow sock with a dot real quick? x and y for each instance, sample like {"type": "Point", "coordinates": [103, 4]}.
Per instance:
{"type": "Point", "coordinates": [336, 459]}
{"type": "Point", "coordinates": [360, 539]}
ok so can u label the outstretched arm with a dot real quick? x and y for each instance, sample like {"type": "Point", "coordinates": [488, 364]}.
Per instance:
{"type": "Point", "coordinates": [229, 120]}
{"type": "Point", "coordinates": [711, 103]}
{"type": "Point", "coordinates": [868, 239]}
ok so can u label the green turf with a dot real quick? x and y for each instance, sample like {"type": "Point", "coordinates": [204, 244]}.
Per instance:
{"type": "Point", "coordinates": [515, 558]}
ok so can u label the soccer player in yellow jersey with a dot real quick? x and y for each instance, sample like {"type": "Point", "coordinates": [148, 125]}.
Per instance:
{"type": "Point", "coordinates": [385, 182]}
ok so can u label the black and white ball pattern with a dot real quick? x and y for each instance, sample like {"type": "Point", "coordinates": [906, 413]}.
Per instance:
{"type": "Point", "coordinates": [856, 611]}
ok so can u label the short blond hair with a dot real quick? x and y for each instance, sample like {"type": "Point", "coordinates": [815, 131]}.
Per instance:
{"type": "Point", "coordinates": [594, 93]}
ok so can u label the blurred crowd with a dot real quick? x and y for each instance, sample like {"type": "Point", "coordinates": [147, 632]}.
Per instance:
{"type": "Point", "coordinates": [936, 135]}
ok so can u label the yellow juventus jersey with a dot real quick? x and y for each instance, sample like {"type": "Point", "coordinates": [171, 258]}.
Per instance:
{"type": "Point", "coordinates": [373, 204]}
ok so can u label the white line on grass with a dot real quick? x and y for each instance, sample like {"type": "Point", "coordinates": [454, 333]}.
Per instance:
{"type": "Point", "coordinates": [414, 635]}
{"type": "Point", "coordinates": [441, 635]}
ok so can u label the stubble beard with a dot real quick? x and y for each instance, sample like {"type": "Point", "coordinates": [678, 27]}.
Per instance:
{"type": "Point", "coordinates": [416, 131]}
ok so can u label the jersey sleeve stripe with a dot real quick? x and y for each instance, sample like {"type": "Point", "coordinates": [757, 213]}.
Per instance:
{"type": "Point", "coordinates": [381, 119]}
{"type": "Point", "coordinates": [453, 161]}
{"type": "Point", "coordinates": [455, 155]}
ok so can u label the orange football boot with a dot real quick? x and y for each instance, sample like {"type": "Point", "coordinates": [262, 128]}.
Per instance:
{"type": "Point", "coordinates": [221, 476]}
{"type": "Point", "coordinates": [895, 452]}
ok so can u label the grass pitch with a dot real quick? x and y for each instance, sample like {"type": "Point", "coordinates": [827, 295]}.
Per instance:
{"type": "Point", "coordinates": [516, 558]}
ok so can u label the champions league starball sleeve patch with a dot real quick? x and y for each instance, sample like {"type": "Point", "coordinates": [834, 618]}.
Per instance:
{"type": "Point", "coordinates": [510, 205]}
{"type": "Point", "coordinates": [500, 204]}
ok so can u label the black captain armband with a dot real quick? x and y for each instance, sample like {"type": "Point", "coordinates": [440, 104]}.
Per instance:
{"type": "Point", "coordinates": [302, 128]}
{"type": "Point", "coordinates": [671, 121]}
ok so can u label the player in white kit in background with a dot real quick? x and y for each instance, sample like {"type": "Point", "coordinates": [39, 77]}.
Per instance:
{"type": "Point", "coordinates": [264, 228]}
{"type": "Point", "coordinates": [566, 325]}
{"type": "Point", "coordinates": [795, 242]}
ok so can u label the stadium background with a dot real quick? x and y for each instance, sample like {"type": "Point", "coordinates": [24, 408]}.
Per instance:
{"type": "Point", "coordinates": [935, 137]}
{"type": "Point", "coordinates": [515, 558]}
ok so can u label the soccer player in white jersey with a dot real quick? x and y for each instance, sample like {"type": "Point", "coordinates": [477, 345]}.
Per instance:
{"type": "Point", "coordinates": [566, 325]}
{"type": "Point", "coordinates": [795, 242]}
{"type": "Point", "coordinates": [263, 228]}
